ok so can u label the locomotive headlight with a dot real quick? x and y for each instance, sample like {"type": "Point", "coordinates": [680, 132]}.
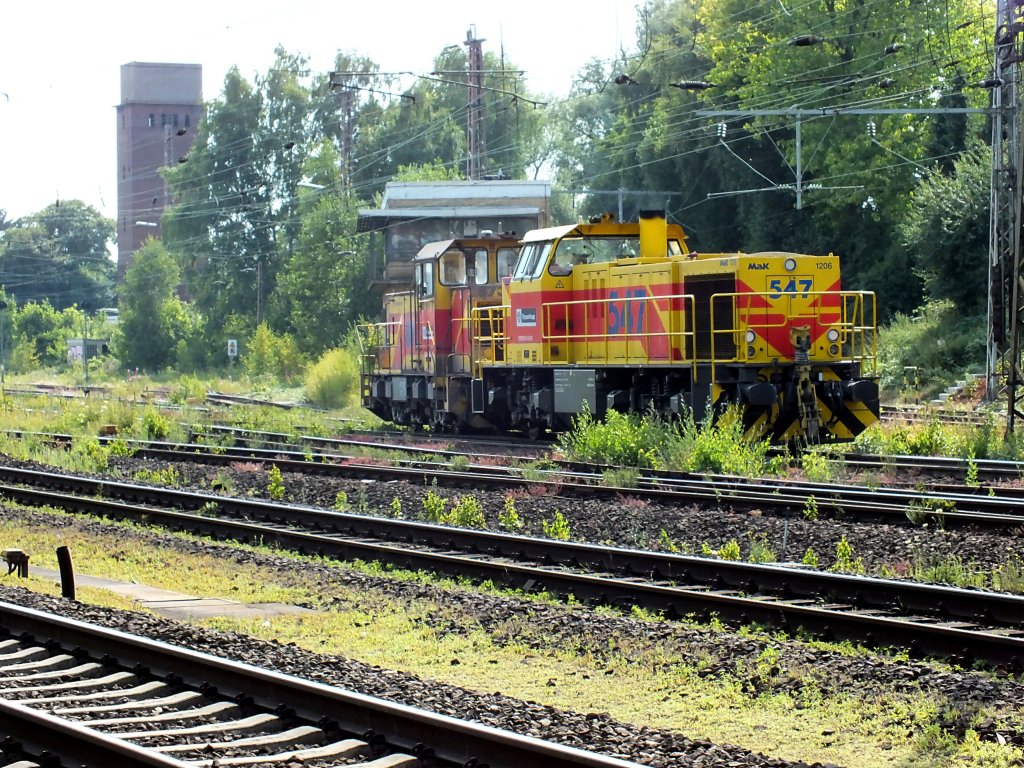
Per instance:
{"type": "Point", "coordinates": [790, 265]}
{"type": "Point", "coordinates": [751, 337]}
{"type": "Point", "coordinates": [833, 349]}
{"type": "Point", "coordinates": [833, 334]}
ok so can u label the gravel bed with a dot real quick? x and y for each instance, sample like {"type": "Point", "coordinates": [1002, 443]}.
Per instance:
{"type": "Point", "coordinates": [634, 522]}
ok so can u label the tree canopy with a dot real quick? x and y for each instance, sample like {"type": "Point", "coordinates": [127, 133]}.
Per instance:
{"type": "Point", "coordinates": [59, 255]}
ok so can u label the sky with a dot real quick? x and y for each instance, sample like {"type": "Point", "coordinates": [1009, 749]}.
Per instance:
{"type": "Point", "coordinates": [60, 64]}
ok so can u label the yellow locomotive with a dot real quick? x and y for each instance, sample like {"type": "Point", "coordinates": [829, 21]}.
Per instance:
{"type": "Point", "coordinates": [522, 335]}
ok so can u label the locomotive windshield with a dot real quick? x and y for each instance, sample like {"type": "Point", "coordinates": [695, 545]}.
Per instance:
{"type": "Point", "coordinates": [601, 250]}
{"type": "Point", "coordinates": [531, 261]}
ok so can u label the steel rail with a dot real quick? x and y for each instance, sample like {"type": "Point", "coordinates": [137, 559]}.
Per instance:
{"type": "Point", "coordinates": [944, 507]}
{"type": "Point", "coordinates": [39, 733]}
{"type": "Point", "coordinates": [935, 619]}
{"type": "Point", "coordinates": [404, 728]}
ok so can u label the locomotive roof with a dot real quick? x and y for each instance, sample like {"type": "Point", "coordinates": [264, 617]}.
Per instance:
{"type": "Point", "coordinates": [549, 233]}
{"type": "Point", "coordinates": [431, 251]}
{"type": "Point", "coordinates": [604, 228]}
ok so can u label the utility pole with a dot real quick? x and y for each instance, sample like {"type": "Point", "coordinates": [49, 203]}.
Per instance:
{"type": "Point", "coordinates": [347, 124]}
{"type": "Point", "coordinates": [475, 128]}
{"type": "Point", "coordinates": [1006, 294]}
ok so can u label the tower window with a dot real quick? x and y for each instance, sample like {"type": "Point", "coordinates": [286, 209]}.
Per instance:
{"type": "Point", "coordinates": [187, 119]}
{"type": "Point", "coordinates": [175, 119]}
{"type": "Point", "coordinates": [163, 119]}
{"type": "Point", "coordinates": [152, 120]}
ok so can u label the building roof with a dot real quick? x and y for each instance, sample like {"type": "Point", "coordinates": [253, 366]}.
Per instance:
{"type": "Point", "coordinates": [377, 219]}
{"type": "Point", "coordinates": [400, 194]}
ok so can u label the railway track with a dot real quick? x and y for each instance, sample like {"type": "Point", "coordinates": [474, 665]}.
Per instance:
{"type": "Point", "coordinates": [923, 414]}
{"type": "Point", "coordinates": [946, 506]}
{"type": "Point", "coordinates": [94, 696]}
{"type": "Point", "coordinates": [960, 624]}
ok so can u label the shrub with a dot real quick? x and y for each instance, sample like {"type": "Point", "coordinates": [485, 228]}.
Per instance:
{"type": "Point", "coordinates": [623, 439]}
{"type": "Point", "coordinates": [333, 380]}
{"type": "Point", "coordinates": [665, 541]}
{"type": "Point", "coordinates": [937, 339]}
{"type": "Point", "coordinates": [730, 550]}
{"type": "Point", "coordinates": [845, 560]}
{"type": "Point", "coordinates": [810, 558]}
{"type": "Point", "coordinates": [189, 389]}
{"type": "Point", "coordinates": [819, 468]}
{"type": "Point", "coordinates": [649, 441]}
{"type": "Point", "coordinates": [165, 476]}
{"type": "Point", "coordinates": [811, 509]}
{"type": "Point", "coordinates": [466, 513]}
{"type": "Point", "coordinates": [435, 507]}
{"type": "Point", "coordinates": [557, 527]}
{"type": "Point", "coordinates": [509, 518]}
{"type": "Point", "coordinates": [157, 425]}
{"type": "Point", "coordinates": [621, 477]}
{"type": "Point", "coordinates": [722, 447]}
{"type": "Point", "coordinates": [760, 551]}
{"type": "Point", "coordinates": [275, 484]}
{"type": "Point", "coordinates": [271, 354]}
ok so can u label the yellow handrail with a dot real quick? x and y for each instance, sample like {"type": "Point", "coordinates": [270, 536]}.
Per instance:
{"type": "Point", "coordinates": [851, 310]}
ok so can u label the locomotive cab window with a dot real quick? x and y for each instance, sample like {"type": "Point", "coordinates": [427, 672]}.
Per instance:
{"type": "Point", "coordinates": [425, 279]}
{"type": "Point", "coordinates": [480, 272]}
{"type": "Point", "coordinates": [506, 262]}
{"type": "Point", "coordinates": [453, 268]}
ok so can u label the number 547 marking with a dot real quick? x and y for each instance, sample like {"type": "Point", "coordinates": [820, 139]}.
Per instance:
{"type": "Point", "coordinates": [796, 286]}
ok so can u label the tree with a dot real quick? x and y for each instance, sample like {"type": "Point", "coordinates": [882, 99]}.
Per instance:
{"type": "Point", "coordinates": [59, 255]}
{"type": "Point", "coordinates": [628, 126]}
{"type": "Point", "coordinates": [826, 54]}
{"type": "Point", "coordinates": [947, 231]}
{"type": "Point", "coordinates": [322, 289]}
{"type": "Point", "coordinates": [152, 318]}
{"type": "Point", "coordinates": [235, 221]}
{"type": "Point", "coordinates": [426, 125]}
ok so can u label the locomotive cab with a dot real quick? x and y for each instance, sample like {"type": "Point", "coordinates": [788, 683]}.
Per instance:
{"type": "Point", "coordinates": [416, 364]}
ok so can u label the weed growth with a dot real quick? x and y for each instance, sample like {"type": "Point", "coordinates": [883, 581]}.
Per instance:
{"type": "Point", "coordinates": [509, 518]}
{"type": "Point", "coordinates": [556, 528]}
{"type": "Point", "coordinates": [275, 484]}
{"type": "Point", "coordinates": [650, 441]}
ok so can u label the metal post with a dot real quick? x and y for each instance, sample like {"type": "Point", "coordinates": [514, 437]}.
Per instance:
{"type": "Point", "coordinates": [259, 290]}
{"type": "Point", "coordinates": [799, 169]}
{"type": "Point", "coordinates": [85, 352]}
{"type": "Point", "coordinates": [67, 573]}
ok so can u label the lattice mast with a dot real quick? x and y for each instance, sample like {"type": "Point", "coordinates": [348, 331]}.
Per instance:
{"type": "Point", "coordinates": [475, 111]}
{"type": "Point", "coordinates": [1006, 292]}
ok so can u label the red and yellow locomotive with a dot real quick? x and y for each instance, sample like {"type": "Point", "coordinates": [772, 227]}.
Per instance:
{"type": "Point", "coordinates": [609, 315]}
